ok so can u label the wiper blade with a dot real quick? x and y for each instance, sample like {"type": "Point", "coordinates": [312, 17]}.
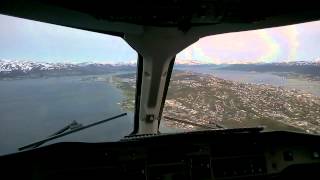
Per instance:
{"type": "Point", "coordinates": [218, 127]}
{"type": "Point", "coordinates": [205, 126]}
{"type": "Point", "coordinates": [71, 128]}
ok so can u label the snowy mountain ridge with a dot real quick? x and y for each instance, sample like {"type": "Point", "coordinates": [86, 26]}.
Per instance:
{"type": "Point", "coordinates": [28, 66]}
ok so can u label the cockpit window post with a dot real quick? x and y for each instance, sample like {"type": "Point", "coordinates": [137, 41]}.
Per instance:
{"type": "Point", "coordinates": [138, 94]}
{"type": "Point", "coordinates": [158, 47]}
{"type": "Point", "coordinates": [166, 87]}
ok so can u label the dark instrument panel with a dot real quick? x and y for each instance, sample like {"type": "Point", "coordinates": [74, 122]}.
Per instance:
{"type": "Point", "coordinates": [195, 155]}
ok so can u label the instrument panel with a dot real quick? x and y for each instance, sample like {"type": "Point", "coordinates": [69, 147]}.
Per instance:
{"type": "Point", "coordinates": [196, 155]}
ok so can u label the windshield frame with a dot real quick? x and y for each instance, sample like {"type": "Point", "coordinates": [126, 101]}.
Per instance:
{"type": "Point", "coordinates": [139, 74]}
{"type": "Point", "coordinates": [166, 87]}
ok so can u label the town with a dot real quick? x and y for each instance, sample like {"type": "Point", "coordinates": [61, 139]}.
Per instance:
{"type": "Point", "coordinates": [207, 100]}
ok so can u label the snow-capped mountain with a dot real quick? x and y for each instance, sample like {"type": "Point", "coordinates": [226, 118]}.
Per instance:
{"type": "Point", "coordinates": [27, 66]}
{"type": "Point", "coordinates": [14, 68]}
{"type": "Point", "coordinates": [187, 62]}
{"type": "Point", "coordinates": [284, 63]}
{"type": "Point", "coordinates": [299, 63]}
{"type": "Point", "coordinates": [310, 68]}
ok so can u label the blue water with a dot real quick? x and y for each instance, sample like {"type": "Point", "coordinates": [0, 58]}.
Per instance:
{"type": "Point", "coordinates": [32, 109]}
{"type": "Point", "coordinates": [242, 76]}
{"type": "Point", "coordinates": [312, 87]}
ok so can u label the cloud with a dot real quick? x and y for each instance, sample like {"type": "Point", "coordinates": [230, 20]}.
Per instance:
{"type": "Point", "coordinates": [30, 40]}
{"type": "Point", "coordinates": [265, 45]}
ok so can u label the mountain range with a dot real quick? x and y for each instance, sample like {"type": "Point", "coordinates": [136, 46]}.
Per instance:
{"type": "Point", "coordinates": [298, 67]}
{"type": "Point", "coordinates": [14, 68]}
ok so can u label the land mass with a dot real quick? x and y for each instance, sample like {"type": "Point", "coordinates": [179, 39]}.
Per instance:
{"type": "Point", "coordinates": [208, 100]}
{"type": "Point", "coordinates": [11, 69]}
{"type": "Point", "coordinates": [307, 70]}
{"type": "Point", "coordinates": [205, 99]}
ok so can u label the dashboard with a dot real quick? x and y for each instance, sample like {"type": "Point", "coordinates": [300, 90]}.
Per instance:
{"type": "Point", "coordinates": [222, 154]}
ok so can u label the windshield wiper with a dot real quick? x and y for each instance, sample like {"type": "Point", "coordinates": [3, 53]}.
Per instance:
{"type": "Point", "coordinates": [217, 127]}
{"type": "Point", "coordinates": [205, 126]}
{"type": "Point", "coordinates": [71, 128]}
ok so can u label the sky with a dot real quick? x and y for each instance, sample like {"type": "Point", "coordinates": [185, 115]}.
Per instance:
{"type": "Point", "coordinates": [22, 39]}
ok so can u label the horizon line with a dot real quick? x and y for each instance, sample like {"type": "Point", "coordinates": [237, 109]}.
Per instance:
{"type": "Point", "coordinates": [188, 62]}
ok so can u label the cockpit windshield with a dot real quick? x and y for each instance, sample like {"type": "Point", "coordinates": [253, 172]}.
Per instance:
{"type": "Point", "coordinates": [51, 76]}
{"type": "Point", "coordinates": [268, 77]}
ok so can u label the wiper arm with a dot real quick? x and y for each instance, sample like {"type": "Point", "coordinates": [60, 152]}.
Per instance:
{"type": "Point", "coordinates": [71, 128]}
{"type": "Point", "coordinates": [218, 127]}
{"type": "Point", "coordinates": [205, 126]}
